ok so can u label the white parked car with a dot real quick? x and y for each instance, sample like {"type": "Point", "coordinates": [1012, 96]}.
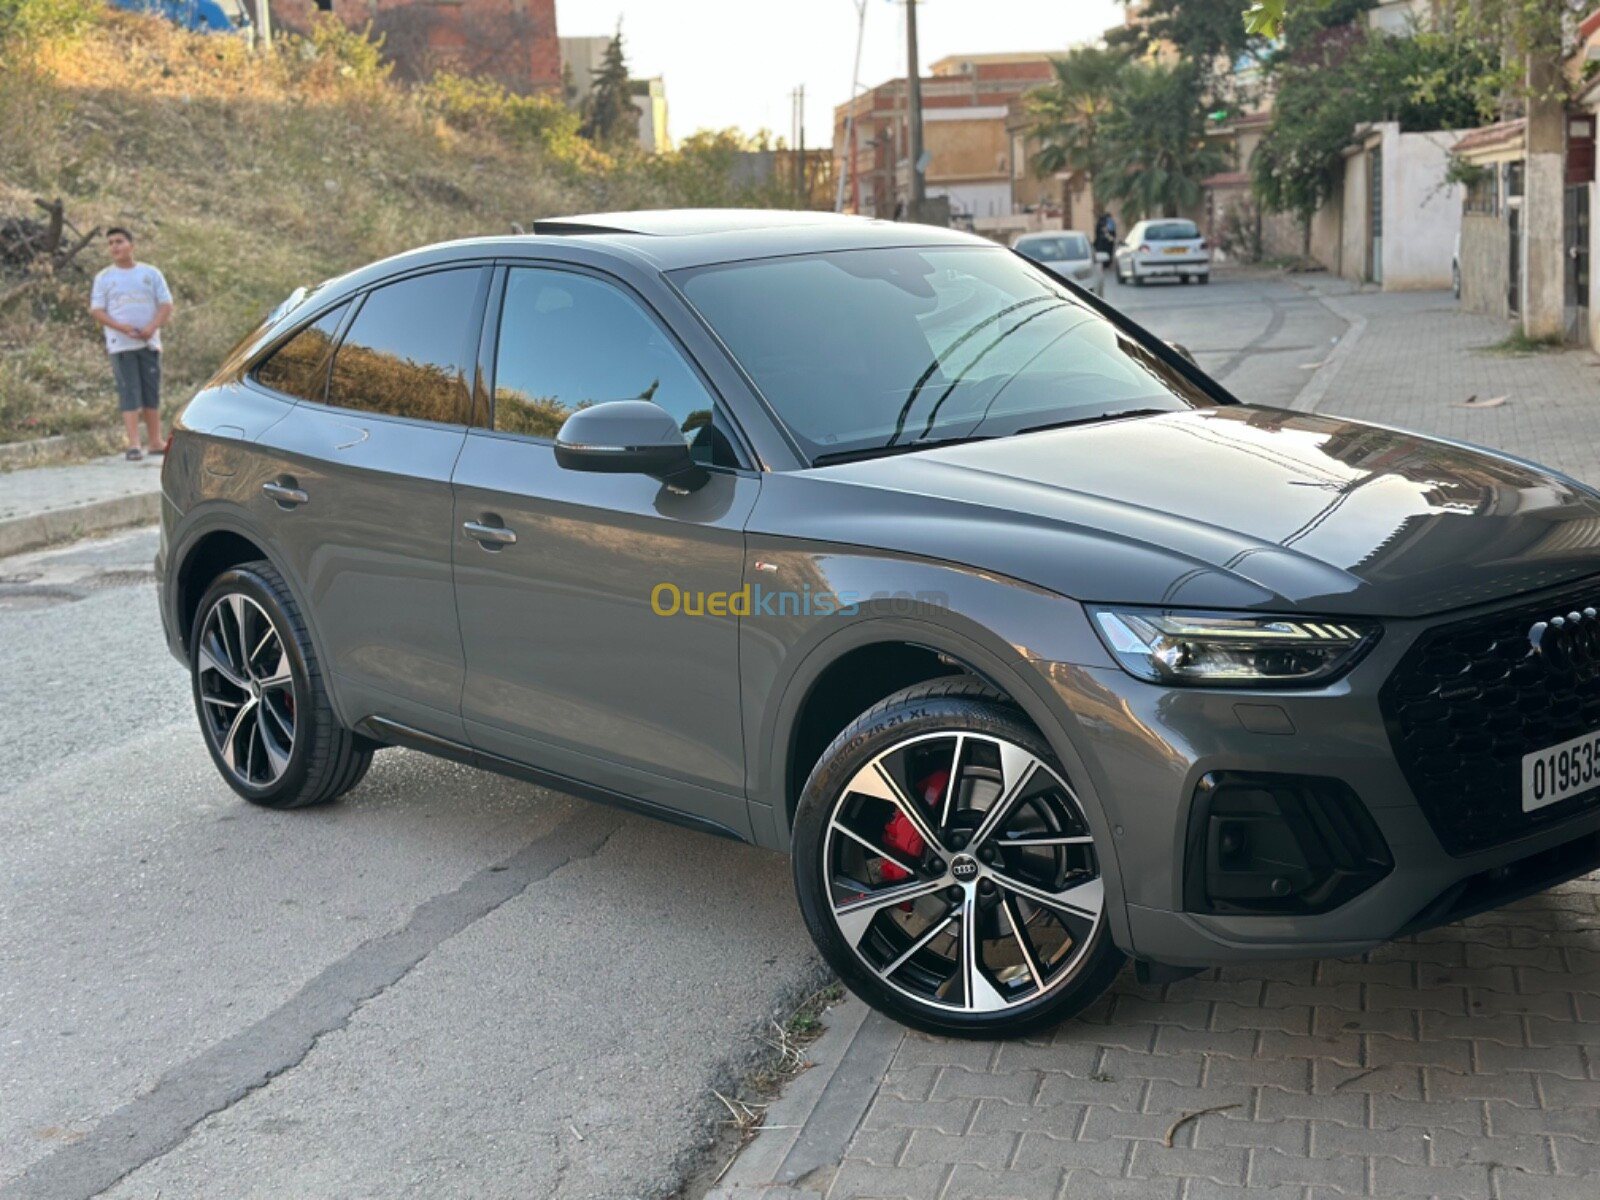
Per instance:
{"type": "Point", "coordinates": [1066, 252]}
{"type": "Point", "coordinates": [1163, 249]}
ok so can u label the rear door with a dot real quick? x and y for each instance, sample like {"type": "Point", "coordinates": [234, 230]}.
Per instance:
{"type": "Point", "coordinates": [574, 664]}
{"type": "Point", "coordinates": [358, 495]}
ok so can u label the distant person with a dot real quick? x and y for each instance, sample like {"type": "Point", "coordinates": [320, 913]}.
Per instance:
{"type": "Point", "coordinates": [1105, 234]}
{"type": "Point", "coordinates": [131, 300]}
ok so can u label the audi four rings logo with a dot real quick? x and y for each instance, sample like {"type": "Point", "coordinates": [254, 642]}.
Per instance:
{"type": "Point", "coordinates": [964, 868]}
{"type": "Point", "coordinates": [1569, 643]}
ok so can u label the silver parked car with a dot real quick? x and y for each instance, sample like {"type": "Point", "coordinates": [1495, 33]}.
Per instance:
{"type": "Point", "coordinates": [1163, 249]}
{"type": "Point", "coordinates": [1033, 647]}
{"type": "Point", "coordinates": [1068, 253]}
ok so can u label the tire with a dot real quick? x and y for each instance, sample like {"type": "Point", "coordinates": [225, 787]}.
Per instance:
{"type": "Point", "coordinates": [1186, 280]}
{"type": "Point", "coordinates": [268, 723]}
{"type": "Point", "coordinates": [1203, 279]}
{"type": "Point", "coordinates": [1034, 965]}
{"type": "Point", "coordinates": [1138, 279]}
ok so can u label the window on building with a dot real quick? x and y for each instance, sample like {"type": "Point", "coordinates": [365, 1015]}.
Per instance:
{"type": "Point", "coordinates": [406, 351]}
{"type": "Point", "coordinates": [1483, 194]}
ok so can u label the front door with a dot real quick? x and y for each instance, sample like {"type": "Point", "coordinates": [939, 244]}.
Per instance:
{"type": "Point", "coordinates": [360, 500]}
{"type": "Point", "coordinates": [581, 657]}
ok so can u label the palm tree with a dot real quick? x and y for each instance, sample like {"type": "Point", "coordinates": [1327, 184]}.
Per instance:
{"type": "Point", "coordinates": [1152, 146]}
{"type": "Point", "coordinates": [1067, 113]}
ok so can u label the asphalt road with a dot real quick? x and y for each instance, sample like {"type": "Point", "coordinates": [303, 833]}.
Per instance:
{"type": "Point", "coordinates": [1259, 334]}
{"type": "Point", "coordinates": [448, 984]}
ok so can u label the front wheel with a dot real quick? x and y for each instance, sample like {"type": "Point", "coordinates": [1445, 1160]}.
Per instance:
{"type": "Point", "coordinates": [946, 871]}
{"type": "Point", "coordinates": [261, 699]}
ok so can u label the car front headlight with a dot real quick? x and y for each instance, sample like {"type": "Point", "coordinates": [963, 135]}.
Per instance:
{"type": "Point", "coordinates": [1230, 649]}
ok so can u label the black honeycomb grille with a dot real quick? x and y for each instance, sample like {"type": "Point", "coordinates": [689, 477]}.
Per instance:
{"type": "Point", "coordinates": [1469, 700]}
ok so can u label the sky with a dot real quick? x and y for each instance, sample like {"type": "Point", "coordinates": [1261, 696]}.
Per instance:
{"type": "Point", "coordinates": [736, 62]}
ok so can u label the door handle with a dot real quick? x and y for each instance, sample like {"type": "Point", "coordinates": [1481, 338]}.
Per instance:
{"type": "Point", "coordinates": [284, 495]}
{"type": "Point", "coordinates": [490, 537]}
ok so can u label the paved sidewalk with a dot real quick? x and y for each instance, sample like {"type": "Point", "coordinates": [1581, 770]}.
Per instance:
{"type": "Point", "coordinates": [1411, 359]}
{"type": "Point", "coordinates": [1461, 1063]}
{"type": "Point", "coordinates": [41, 505]}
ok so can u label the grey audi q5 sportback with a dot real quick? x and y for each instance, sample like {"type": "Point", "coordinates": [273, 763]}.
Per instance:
{"type": "Point", "coordinates": [882, 547]}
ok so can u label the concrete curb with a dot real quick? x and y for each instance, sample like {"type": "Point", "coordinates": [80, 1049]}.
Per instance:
{"type": "Point", "coordinates": [809, 1127]}
{"type": "Point", "coordinates": [1316, 389]}
{"type": "Point", "coordinates": [35, 530]}
{"type": "Point", "coordinates": [64, 446]}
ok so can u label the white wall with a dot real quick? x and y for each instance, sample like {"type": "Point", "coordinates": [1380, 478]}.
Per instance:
{"type": "Point", "coordinates": [1421, 214]}
{"type": "Point", "coordinates": [976, 199]}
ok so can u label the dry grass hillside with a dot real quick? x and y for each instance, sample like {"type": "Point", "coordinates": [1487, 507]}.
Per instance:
{"type": "Point", "coordinates": [244, 175]}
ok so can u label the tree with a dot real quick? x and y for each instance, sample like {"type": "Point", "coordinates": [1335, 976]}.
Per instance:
{"type": "Point", "coordinates": [609, 116]}
{"type": "Point", "coordinates": [1208, 35]}
{"type": "Point", "coordinates": [1152, 144]}
{"type": "Point", "coordinates": [1335, 76]}
{"type": "Point", "coordinates": [1067, 114]}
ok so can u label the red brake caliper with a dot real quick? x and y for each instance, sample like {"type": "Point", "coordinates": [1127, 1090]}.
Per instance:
{"type": "Point", "coordinates": [901, 836]}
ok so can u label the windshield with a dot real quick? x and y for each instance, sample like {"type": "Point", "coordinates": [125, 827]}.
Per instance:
{"type": "Point", "coordinates": [1066, 248]}
{"type": "Point", "coordinates": [865, 350]}
{"type": "Point", "coordinates": [1171, 231]}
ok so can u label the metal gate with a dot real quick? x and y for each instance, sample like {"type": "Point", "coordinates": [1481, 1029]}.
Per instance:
{"type": "Point", "coordinates": [1375, 214]}
{"type": "Point", "coordinates": [1576, 232]}
{"type": "Point", "coordinates": [1514, 274]}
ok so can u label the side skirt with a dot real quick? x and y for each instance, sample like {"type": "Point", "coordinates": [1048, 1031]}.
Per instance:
{"type": "Point", "coordinates": [393, 733]}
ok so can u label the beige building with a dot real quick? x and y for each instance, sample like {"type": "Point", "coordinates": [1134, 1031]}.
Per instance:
{"type": "Point", "coordinates": [966, 103]}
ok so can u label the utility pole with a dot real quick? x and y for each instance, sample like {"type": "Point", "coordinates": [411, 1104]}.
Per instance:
{"type": "Point", "coordinates": [802, 192]}
{"type": "Point", "coordinates": [264, 24]}
{"type": "Point", "coordinates": [850, 116]}
{"type": "Point", "coordinates": [914, 94]}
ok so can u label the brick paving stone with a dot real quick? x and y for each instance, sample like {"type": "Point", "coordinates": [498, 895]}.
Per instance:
{"type": "Point", "coordinates": [1104, 1157]}
{"type": "Point", "coordinates": [977, 1183]}
{"type": "Point", "coordinates": [1016, 1085]}
{"type": "Point", "coordinates": [1152, 1159]}
{"type": "Point", "coordinates": [1574, 1120]}
{"type": "Point", "coordinates": [1512, 1184]}
{"type": "Point", "coordinates": [1268, 1168]}
{"type": "Point", "coordinates": [1086, 1185]}
{"type": "Point", "coordinates": [992, 1150]}
{"type": "Point", "coordinates": [1470, 1182]}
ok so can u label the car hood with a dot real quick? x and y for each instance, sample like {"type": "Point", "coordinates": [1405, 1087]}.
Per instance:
{"type": "Point", "coordinates": [1239, 507]}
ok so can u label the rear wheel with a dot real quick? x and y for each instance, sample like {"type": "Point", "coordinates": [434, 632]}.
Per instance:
{"type": "Point", "coordinates": [260, 697]}
{"type": "Point", "coordinates": [946, 871]}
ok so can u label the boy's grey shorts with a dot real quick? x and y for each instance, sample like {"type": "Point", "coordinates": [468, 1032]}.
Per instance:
{"type": "Point", "coordinates": [138, 375]}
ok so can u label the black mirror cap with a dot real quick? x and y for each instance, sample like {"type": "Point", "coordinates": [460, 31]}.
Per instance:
{"type": "Point", "coordinates": [628, 437]}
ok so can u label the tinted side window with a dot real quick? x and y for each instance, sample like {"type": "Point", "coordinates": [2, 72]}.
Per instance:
{"type": "Point", "coordinates": [406, 351]}
{"type": "Point", "coordinates": [299, 367]}
{"type": "Point", "coordinates": [568, 341]}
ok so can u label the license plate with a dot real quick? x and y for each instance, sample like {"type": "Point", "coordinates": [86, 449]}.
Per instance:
{"type": "Point", "coordinates": [1175, 250]}
{"type": "Point", "coordinates": [1560, 772]}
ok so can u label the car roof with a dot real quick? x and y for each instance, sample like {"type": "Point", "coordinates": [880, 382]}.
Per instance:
{"type": "Point", "coordinates": [1050, 233]}
{"type": "Point", "coordinates": [671, 239]}
{"type": "Point", "coordinates": [666, 240]}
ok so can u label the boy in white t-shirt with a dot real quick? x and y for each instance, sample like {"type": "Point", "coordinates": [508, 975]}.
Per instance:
{"type": "Point", "coordinates": [132, 302]}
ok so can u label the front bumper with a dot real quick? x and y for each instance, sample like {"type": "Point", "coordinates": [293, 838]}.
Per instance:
{"type": "Point", "coordinates": [1144, 750]}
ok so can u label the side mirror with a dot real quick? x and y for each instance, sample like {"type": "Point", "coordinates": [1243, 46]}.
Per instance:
{"type": "Point", "coordinates": [628, 437]}
{"type": "Point", "coordinates": [1184, 352]}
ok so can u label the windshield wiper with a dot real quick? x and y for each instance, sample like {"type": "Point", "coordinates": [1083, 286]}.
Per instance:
{"type": "Point", "coordinates": [839, 456]}
{"type": "Point", "coordinates": [1108, 416]}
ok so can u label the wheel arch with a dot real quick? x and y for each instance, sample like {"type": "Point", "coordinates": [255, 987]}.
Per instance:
{"type": "Point", "coordinates": [212, 543]}
{"type": "Point", "coordinates": [1016, 679]}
